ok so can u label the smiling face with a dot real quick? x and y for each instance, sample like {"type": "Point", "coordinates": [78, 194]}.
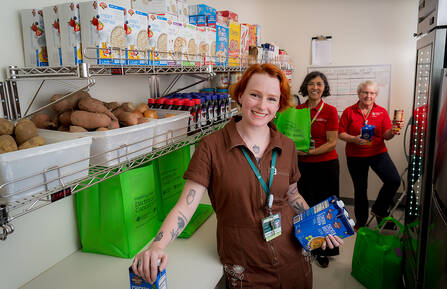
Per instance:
{"type": "Point", "coordinates": [315, 88]}
{"type": "Point", "coordinates": [260, 100]}
{"type": "Point", "coordinates": [367, 95]}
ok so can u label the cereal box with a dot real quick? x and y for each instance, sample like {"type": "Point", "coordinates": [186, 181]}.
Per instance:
{"type": "Point", "coordinates": [202, 44]}
{"type": "Point", "coordinates": [201, 9]}
{"type": "Point", "coordinates": [252, 33]}
{"type": "Point", "coordinates": [193, 19]}
{"type": "Point", "coordinates": [52, 35]}
{"type": "Point", "coordinates": [102, 34]}
{"type": "Point", "coordinates": [137, 39]}
{"type": "Point", "coordinates": [328, 217]}
{"type": "Point", "coordinates": [158, 39]}
{"type": "Point", "coordinates": [136, 282]}
{"type": "Point", "coordinates": [34, 44]}
{"type": "Point", "coordinates": [176, 43]}
{"type": "Point", "coordinates": [70, 27]}
{"type": "Point", "coordinates": [155, 6]}
{"type": "Point", "coordinates": [234, 44]}
{"type": "Point", "coordinates": [231, 16]}
{"type": "Point", "coordinates": [201, 20]}
{"type": "Point", "coordinates": [258, 35]}
{"type": "Point", "coordinates": [211, 41]}
{"type": "Point", "coordinates": [245, 43]}
{"type": "Point", "coordinates": [222, 40]}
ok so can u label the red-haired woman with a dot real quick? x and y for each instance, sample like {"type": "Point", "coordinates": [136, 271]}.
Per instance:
{"type": "Point", "coordinates": [250, 171]}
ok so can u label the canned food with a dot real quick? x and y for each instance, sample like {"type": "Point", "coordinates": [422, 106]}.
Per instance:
{"type": "Point", "coordinates": [398, 115]}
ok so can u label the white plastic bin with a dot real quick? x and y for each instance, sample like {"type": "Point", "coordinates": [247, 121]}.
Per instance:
{"type": "Point", "coordinates": [170, 129]}
{"type": "Point", "coordinates": [27, 172]}
{"type": "Point", "coordinates": [112, 147]}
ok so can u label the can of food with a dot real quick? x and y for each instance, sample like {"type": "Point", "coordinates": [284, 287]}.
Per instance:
{"type": "Point", "coordinates": [398, 115]}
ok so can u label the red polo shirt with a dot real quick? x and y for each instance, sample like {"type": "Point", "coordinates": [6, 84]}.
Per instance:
{"type": "Point", "coordinates": [352, 121]}
{"type": "Point", "coordinates": [327, 120]}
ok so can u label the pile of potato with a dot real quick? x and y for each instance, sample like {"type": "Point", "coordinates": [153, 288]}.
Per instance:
{"type": "Point", "coordinates": [21, 136]}
{"type": "Point", "coordinates": [80, 113]}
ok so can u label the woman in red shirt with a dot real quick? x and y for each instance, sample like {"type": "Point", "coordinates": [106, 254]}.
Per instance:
{"type": "Point", "coordinates": [361, 154]}
{"type": "Point", "coordinates": [321, 159]}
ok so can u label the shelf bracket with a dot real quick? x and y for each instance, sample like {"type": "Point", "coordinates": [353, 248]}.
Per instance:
{"type": "Point", "coordinates": [171, 85]}
{"type": "Point", "coordinates": [6, 228]}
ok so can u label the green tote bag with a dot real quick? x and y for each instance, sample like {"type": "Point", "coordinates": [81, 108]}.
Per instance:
{"type": "Point", "coordinates": [295, 123]}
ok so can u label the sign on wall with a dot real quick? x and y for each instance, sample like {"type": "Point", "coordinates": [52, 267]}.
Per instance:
{"type": "Point", "coordinates": [344, 80]}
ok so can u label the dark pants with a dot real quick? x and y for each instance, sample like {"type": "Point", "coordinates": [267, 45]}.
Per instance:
{"type": "Point", "coordinates": [385, 169]}
{"type": "Point", "coordinates": [318, 182]}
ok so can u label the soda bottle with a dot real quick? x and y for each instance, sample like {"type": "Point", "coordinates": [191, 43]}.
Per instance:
{"type": "Point", "coordinates": [150, 102]}
{"type": "Point", "coordinates": [203, 112]}
{"type": "Point", "coordinates": [179, 104]}
{"type": "Point", "coordinates": [169, 104]}
{"type": "Point", "coordinates": [189, 106]}
{"type": "Point", "coordinates": [198, 109]}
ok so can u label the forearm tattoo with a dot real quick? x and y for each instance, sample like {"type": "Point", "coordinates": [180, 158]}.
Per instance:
{"type": "Point", "coordinates": [297, 205]}
{"type": "Point", "coordinates": [181, 223]}
{"type": "Point", "coordinates": [159, 236]}
{"type": "Point", "coordinates": [293, 191]}
{"type": "Point", "coordinates": [190, 196]}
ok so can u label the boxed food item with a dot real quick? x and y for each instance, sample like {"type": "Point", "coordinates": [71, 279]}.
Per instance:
{"type": "Point", "coordinates": [192, 45]}
{"type": "Point", "coordinates": [234, 51]}
{"type": "Point", "coordinates": [182, 8]}
{"type": "Point", "coordinates": [211, 41]}
{"type": "Point", "coordinates": [52, 35]}
{"type": "Point", "coordinates": [112, 147]}
{"type": "Point", "coordinates": [221, 20]}
{"type": "Point", "coordinates": [136, 282]}
{"type": "Point", "coordinates": [103, 36]}
{"type": "Point", "coordinates": [245, 43]}
{"type": "Point", "coordinates": [229, 15]}
{"type": "Point", "coordinates": [137, 40]}
{"type": "Point", "coordinates": [258, 35]}
{"type": "Point", "coordinates": [70, 27]}
{"type": "Point", "coordinates": [203, 45]}
{"type": "Point", "coordinates": [211, 21]}
{"type": "Point", "coordinates": [367, 133]}
{"type": "Point", "coordinates": [34, 43]}
{"type": "Point", "coordinates": [177, 45]}
{"type": "Point", "coordinates": [158, 39]}
{"type": "Point", "coordinates": [222, 40]}
{"type": "Point", "coordinates": [155, 6]}
{"type": "Point", "coordinates": [252, 32]}
{"type": "Point", "coordinates": [193, 19]}
{"type": "Point", "coordinates": [201, 20]}
{"type": "Point", "coordinates": [36, 170]}
{"type": "Point", "coordinates": [328, 217]}
{"type": "Point", "coordinates": [201, 9]}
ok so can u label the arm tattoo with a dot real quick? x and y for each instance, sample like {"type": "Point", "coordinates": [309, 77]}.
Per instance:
{"type": "Point", "coordinates": [181, 223]}
{"type": "Point", "coordinates": [190, 197]}
{"type": "Point", "coordinates": [295, 190]}
{"type": "Point", "coordinates": [297, 206]}
{"type": "Point", "coordinates": [159, 236]}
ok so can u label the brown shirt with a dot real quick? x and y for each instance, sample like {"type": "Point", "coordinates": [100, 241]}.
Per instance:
{"type": "Point", "coordinates": [240, 201]}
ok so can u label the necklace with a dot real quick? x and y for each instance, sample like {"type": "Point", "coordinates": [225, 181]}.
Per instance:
{"type": "Point", "coordinates": [255, 148]}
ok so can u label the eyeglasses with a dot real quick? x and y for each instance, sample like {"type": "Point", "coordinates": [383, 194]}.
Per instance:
{"type": "Point", "coordinates": [368, 92]}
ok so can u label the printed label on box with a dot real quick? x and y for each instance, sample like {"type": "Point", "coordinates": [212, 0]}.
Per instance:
{"type": "Point", "coordinates": [137, 37]}
{"type": "Point", "coordinates": [53, 35]}
{"type": "Point", "coordinates": [34, 43]}
{"type": "Point", "coordinates": [70, 27]}
{"type": "Point", "coordinates": [222, 38]}
{"type": "Point", "coordinates": [155, 6]}
{"type": "Point", "coordinates": [192, 47]}
{"type": "Point", "coordinates": [176, 43]}
{"type": "Point", "coordinates": [158, 40]}
{"type": "Point", "coordinates": [234, 44]}
{"type": "Point", "coordinates": [245, 43]}
{"type": "Point", "coordinates": [211, 41]}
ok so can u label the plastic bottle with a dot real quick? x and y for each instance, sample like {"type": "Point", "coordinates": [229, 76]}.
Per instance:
{"type": "Point", "coordinates": [222, 105]}
{"type": "Point", "coordinates": [160, 102]}
{"type": "Point", "coordinates": [198, 109]}
{"type": "Point", "coordinates": [169, 104]}
{"type": "Point", "coordinates": [210, 106]}
{"type": "Point", "coordinates": [228, 107]}
{"type": "Point", "coordinates": [189, 106]}
{"type": "Point", "coordinates": [203, 112]}
{"type": "Point", "coordinates": [150, 102]}
{"type": "Point", "coordinates": [180, 104]}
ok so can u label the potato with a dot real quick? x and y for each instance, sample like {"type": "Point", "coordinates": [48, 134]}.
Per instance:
{"type": "Point", "coordinates": [128, 118]}
{"type": "Point", "coordinates": [69, 103]}
{"type": "Point", "coordinates": [112, 105]}
{"type": "Point", "coordinates": [142, 120]}
{"type": "Point", "coordinates": [89, 120]}
{"type": "Point", "coordinates": [6, 127]}
{"type": "Point", "coordinates": [42, 120]}
{"type": "Point", "coordinates": [114, 124]}
{"type": "Point", "coordinates": [65, 118]}
{"type": "Point", "coordinates": [142, 107]}
{"type": "Point", "coordinates": [25, 129]}
{"type": "Point", "coordinates": [34, 142]}
{"type": "Point", "coordinates": [138, 112]}
{"type": "Point", "coordinates": [118, 111]}
{"type": "Point", "coordinates": [150, 114]}
{"type": "Point", "coordinates": [102, 129]}
{"type": "Point", "coordinates": [63, 128]}
{"type": "Point", "coordinates": [128, 106]}
{"type": "Point", "coordinates": [7, 144]}
{"type": "Point", "coordinates": [74, 128]}
{"type": "Point", "coordinates": [91, 104]}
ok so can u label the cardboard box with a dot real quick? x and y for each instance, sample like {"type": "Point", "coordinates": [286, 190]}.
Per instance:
{"type": "Point", "coordinates": [234, 44]}
{"type": "Point", "coordinates": [201, 9]}
{"type": "Point", "coordinates": [177, 44]}
{"type": "Point", "coordinates": [222, 40]}
{"type": "Point", "coordinates": [70, 26]}
{"type": "Point", "coordinates": [201, 20]}
{"type": "Point", "coordinates": [183, 15]}
{"type": "Point", "coordinates": [52, 35]}
{"type": "Point", "coordinates": [136, 282]}
{"type": "Point", "coordinates": [258, 35]}
{"type": "Point", "coordinates": [155, 6]}
{"type": "Point", "coordinates": [34, 43]}
{"type": "Point", "coordinates": [252, 33]}
{"type": "Point", "coordinates": [103, 28]}
{"type": "Point", "coordinates": [193, 19]}
{"type": "Point", "coordinates": [137, 40]}
{"type": "Point", "coordinates": [231, 16]}
{"type": "Point", "coordinates": [245, 43]}
{"type": "Point", "coordinates": [192, 45]}
{"type": "Point", "coordinates": [203, 45]}
{"type": "Point", "coordinates": [211, 40]}
{"type": "Point", "coordinates": [158, 39]}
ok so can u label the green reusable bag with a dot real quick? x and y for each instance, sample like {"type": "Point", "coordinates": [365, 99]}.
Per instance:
{"type": "Point", "coordinates": [377, 259]}
{"type": "Point", "coordinates": [118, 216]}
{"type": "Point", "coordinates": [295, 123]}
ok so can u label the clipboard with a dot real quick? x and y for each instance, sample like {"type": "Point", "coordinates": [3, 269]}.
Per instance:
{"type": "Point", "coordinates": [322, 50]}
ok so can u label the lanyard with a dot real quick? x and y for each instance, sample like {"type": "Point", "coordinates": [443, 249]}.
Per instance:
{"type": "Point", "coordinates": [259, 177]}
{"type": "Point", "coordinates": [365, 117]}
{"type": "Point", "coordinates": [318, 112]}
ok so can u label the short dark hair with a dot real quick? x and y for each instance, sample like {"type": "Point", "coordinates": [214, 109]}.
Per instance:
{"type": "Point", "coordinates": [309, 77]}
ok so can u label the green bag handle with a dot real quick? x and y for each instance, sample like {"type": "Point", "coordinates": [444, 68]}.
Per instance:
{"type": "Point", "coordinates": [391, 219]}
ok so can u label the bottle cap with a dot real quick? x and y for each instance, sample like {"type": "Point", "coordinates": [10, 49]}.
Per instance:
{"type": "Point", "coordinates": [150, 101]}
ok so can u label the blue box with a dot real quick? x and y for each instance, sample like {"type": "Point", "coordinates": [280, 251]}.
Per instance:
{"type": "Point", "coordinates": [367, 133]}
{"type": "Point", "coordinates": [222, 39]}
{"type": "Point", "coordinates": [136, 282]}
{"type": "Point", "coordinates": [193, 19]}
{"type": "Point", "coordinates": [201, 9]}
{"type": "Point", "coordinates": [328, 217]}
{"type": "Point", "coordinates": [201, 20]}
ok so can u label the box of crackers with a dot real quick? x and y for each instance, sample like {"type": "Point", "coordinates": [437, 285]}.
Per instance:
{"type": "Point", "coordinates": [328, 217]}
{"type": "Point", "coordinates": [34, 43]}
{"type": "Point", "coordinates": [70, 27]}
{"type": "Point", "coordinates": [102, 34]}
{"type": "Point", "coordinates": [136, 282]}
{"type": "Point", "coordinates": [137, 40]}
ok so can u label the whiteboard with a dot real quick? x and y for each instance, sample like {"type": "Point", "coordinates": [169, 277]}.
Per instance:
{"type": "Point", "coordinates": [344, 80]}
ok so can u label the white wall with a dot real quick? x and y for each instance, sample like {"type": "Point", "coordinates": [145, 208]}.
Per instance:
{"type": "Point", "coordinates": [363, 31]}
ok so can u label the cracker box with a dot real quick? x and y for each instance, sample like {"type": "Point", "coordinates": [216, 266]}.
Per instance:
{"type": "Point", "coordinates": [245, 43]}
{"type": "Point", "coordinates": [158, 40]}
{"type": "Point", "coordinates": [155, 6]}
{"type": "Point", "coordinates": [102, 34]}
{"type": "Point", "coordinates": [52, 35]}
{"type": "Point", "coordinates": [136, 282]}
{"type": "Point", "coordinates": [328, 217]}
{"type": "Point", "coordinates": [137, 39]}
{"type": "Point", "coordinates": [258, 35]}
{"type": "Point", "coordinates": [70, 27]}
{"type": "Point", "coordinates": [34, 43]}
{"type": "Point", "coordinates": [201, 9]}
{"type": "Point", "coordinates": [211, 41]}
{"type": "Point", "coordinates": [252, 32]}
{"type": "Point", "coordinates": [222, 40]}
{"type": "Point", "coordinates": [202, 44]}
{"type": "Point", "coordinates": [234, 44]}
{"type": "Point", "coordinates": [177, 44]}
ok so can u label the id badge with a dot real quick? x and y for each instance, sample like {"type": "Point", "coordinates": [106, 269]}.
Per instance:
{"type": "Point", "coordinates": [271, 227]}
{"type": "Point", "coordinates": [312, 144]}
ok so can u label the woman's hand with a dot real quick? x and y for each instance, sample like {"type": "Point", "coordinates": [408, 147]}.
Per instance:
{"type": "Point", "coordinates": [331, 242]}
{"type": "Point", "coordinates": [358, 140]}
{"type": "Point", "coordinates": [301, 153]}
{"type": "Point", "coordinates": [146, 265]}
